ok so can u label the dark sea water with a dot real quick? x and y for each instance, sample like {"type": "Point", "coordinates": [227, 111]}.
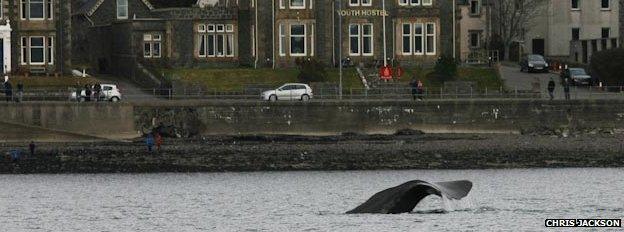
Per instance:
{"type": "Point", "coordinates": [501, 200]}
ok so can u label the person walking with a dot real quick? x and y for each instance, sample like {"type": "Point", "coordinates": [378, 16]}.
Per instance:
{"type": "Point", "coordinates": [20, 92]}
{"type": "Point", "coordinates": [420, 88]}
{"type": "Point", "coordinates": [149, 142]}
{"type": "Point", "coordinates": [566, 88]}
{"type": "Point", "coordinates": [159, 141]}
{"type": "Point", "coordinates": [31, 146]}
{"type": "Point", "coordinates": [551, 88]}
{"type": "Point", "coordinates": [414, 86]}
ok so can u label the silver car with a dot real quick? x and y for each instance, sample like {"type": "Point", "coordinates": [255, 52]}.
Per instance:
{"type": "Point", "coordinates": [533, 63]}
{"type": "Point", "coordinates": [289, 92]}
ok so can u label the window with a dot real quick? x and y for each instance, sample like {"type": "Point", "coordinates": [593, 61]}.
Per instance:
{"type": "Point", "coordinates": [407, 39]}
{"type": "Point", "coordinates": [152, 45]}
{"type": "Point", "coordinates": [414, 39]}
{"type": "Point", "coordinates": [605, 4]}
{"type": "Point", "coordinates": [354, 39]}
{"type": "Point", "coordinates": [37, 50]}
{"type": "Point", "coordinates": [36, 9]}
{"type": "Point", "coordinates": [367, 39]}
{"type": "Point", "coordinates": [475, 39]}
{"type": "Point", "coordinates": [361, 39]}
{"type": "Point", "coordinates": [606, 32]}
{"type": "Point", "coordinates": [427, 2]}
{"type": "Point", "coordinates": [122, 9]}
{"type": "Point", "coordinates": [297, 4]}
{"type": "Point", "coordinates": [410, 2]}
{"type": "Point", "coordinates": [282, 40]}
{"type": "Point", "coordinates": [297, 40]}
{"type": "Point", "coordinates": [475, 7]}
{"type": "Point", "coordinates": [575, 4]}
{"type": "Point", "coordinates": [430, 41]}
{"type": "Point", "coordinates": [360, 2]}
{"type": "Point", "coordinates": [418, 38]}
{"type": "Point", "coordinates": [576, 34]}
{"type": "Point", "coordinates": [216, 40]}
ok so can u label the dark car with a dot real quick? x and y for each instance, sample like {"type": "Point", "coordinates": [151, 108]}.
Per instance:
{"type": "Point", "coordinates": [533, 63]}
{"type": "Point", "coordinates": [577, 76]}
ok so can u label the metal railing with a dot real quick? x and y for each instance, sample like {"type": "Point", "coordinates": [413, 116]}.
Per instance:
{"type": "Point", "coordinates": [389, 93]}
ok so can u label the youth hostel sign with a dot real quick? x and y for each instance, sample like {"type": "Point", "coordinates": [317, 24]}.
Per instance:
{"type": "Point", "coordinates": [372, 12]}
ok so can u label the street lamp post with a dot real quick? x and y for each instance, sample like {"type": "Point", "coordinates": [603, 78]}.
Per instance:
{"type": "Point", "coordinates": [340, 50]}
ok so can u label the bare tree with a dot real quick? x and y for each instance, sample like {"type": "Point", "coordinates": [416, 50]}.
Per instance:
{"type": "Point", "coordinates": [513, 17]}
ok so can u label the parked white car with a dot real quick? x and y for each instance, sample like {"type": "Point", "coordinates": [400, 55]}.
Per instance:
{"type": "Point", "coordinates": [289, 92]}
{"type": "Point", "coordinates": [109, 93]}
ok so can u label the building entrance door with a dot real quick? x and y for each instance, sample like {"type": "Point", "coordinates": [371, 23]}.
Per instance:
{"type": "Point", "coordinates": [538, 46]}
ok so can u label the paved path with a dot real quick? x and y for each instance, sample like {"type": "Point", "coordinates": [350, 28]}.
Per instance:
{"type": "Point", "coordinates": [521, 81]}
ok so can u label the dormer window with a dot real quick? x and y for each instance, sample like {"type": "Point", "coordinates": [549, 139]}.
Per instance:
{"type": "Point", "coordinates": [122, 9]}
{"type": "Point", "coordinates": [297, 4]}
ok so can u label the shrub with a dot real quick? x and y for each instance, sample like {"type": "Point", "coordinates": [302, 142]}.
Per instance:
{"type": "Point", "coordinates": [311, 70]}
{"type": "Point", "coordinates": [444, 70]}
{"type": "Point", "coordinates": [608, 66]}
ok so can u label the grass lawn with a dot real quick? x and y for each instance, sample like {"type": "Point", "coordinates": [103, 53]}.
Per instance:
{"type": "Point", "coordinates": [236, 79]}
{"type": "Point", "coordinates": [52, 83]}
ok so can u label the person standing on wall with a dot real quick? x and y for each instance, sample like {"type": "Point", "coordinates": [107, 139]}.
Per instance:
{"type": "Point", "coordinates": [87, 93]}
{"type": "Point", "coordinates": [31, 146]}
{"type": "Point", "coordinates": [551, 88]}
{"type": "Point", "coordinates": [97, 89]}
{"type": "Point", "coordinates": [149, 142]}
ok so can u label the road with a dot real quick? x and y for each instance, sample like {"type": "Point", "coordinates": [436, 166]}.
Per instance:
{"type": "Point", "coordinates": [521, 81]}
{"type": "Point", "coordinates": [129, 90]}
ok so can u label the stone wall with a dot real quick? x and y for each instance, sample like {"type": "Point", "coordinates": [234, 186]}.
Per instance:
{"type": "Point", "coordinates": [189, 118]}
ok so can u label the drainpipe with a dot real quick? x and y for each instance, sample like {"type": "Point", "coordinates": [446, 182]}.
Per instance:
{"type": "Point", "coordinates": [273, 36]}
{"type": "Point", "coordinates": [454, 30]}
{"type": "Point", "coordinates": [256, 35]}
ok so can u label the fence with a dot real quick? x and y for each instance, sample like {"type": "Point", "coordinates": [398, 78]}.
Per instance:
{"type": "Point", "coordinates": [394, 93]}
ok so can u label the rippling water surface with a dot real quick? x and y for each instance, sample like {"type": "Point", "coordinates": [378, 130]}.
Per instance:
{"type": "Point", "coordinates": [513, 200]}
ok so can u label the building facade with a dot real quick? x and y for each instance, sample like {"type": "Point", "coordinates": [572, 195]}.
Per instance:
{"type": "Point", "coordinates": [117, 34]}
{"type": "Point", "coordinates": [574, 29]}
{"type": "Point", "coordinates": [35, 36]}
{"type": "Point", "coordinates": [475, 30]}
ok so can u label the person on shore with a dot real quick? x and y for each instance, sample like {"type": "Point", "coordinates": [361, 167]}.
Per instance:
{"type": "Point", "coordinates": [8, 91]}
{"type": "Point", "coordinates": [149, 142]}
{"type": "Point", "coordinates": [31, 146]}
{"type": "Point", "coordinates": [159, 141]}
{"type": "Point", "coordinates": [414, 86]}
{"type": "Point", "coordinates": [566, 89]}
{"type": "Point", "coordinates": [551, 89]}
{"type": "Point", "coordinates": [87, 93]}
{"type": "Point", "coordinates": [420, 88]}
{"type": "Point", "coordinates": [16, 155]}
{"type": "Point", "coordinates": [97, 89]}
{"type": "Point", "coordinates": [78, 93]}
{"type": "Point", "coordinates": [20, 92]}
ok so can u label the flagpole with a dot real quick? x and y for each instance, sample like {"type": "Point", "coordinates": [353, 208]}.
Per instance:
{"type": "Point", "coordinates": [383, 9]}
{"type": "Point", "coordinates": [340, 49]}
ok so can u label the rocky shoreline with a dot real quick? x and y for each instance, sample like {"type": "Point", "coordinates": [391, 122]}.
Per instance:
{"type": "Point", "coordinates": [403, 150]}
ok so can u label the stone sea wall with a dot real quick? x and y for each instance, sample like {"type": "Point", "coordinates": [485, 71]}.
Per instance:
{"type": "Point", "coordinates": [189, 118]}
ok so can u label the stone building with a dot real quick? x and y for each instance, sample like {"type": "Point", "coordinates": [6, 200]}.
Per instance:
{"type": "Point", "coordinates": [125, 36]}
{"type": "Point", "coordinates": [475, 25]}
{"type": "Point", "coordinates": [35, 36]}
{"type": "Point", "coordinates": [574, 29]}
